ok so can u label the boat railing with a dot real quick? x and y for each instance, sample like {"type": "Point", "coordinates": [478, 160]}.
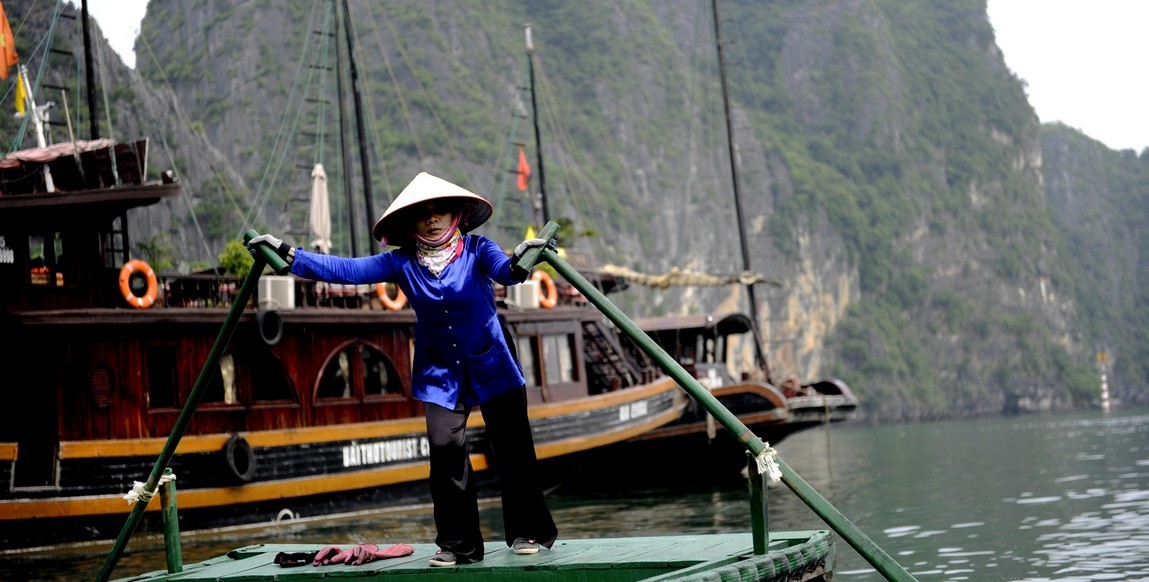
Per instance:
{"type": "Point", "coordinates": [219, 291]}
{"type": "Point", "coordinates": [211, 290]}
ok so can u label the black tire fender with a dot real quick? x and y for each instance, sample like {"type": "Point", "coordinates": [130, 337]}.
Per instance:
{"type": "Point", "coordinates": [239, 458]}
{"type": "Point", "coordinates": [270, 325]}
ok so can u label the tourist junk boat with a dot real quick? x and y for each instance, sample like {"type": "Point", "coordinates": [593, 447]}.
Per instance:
{"type": "Point", "coordinates": [309, 410]}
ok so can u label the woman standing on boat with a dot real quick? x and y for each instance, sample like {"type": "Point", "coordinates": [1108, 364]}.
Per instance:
{"type": "Point", "coordinates": [462, 358]}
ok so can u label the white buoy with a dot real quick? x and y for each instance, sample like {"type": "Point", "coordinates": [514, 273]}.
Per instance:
{"type": "Point", "coordinates": [1103, 364]}
{"type": "Point", "coordinates": [1104, 393]}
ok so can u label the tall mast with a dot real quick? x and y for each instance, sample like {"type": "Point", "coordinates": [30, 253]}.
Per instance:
{"type": "Point", "coordinates": [347, 185]}
{"type": "Point", "coordinates": [90, 74]}
{"type": "Point", "coordinates": [39, 115]}
{"type": "Point", "coordinates": [737, 196]}
{"type": "Point", "coordinates": [535, 118]}
{"type": "Point", "coordinates": [364, 158]}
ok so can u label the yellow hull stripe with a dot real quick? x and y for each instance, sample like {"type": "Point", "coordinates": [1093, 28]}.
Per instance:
{"type": "Point", "coordinates": [16, 509]}
{"type": "Point", "coordinates": [93, 505]}
{"type": "Point", "coordinates": [321, 434]}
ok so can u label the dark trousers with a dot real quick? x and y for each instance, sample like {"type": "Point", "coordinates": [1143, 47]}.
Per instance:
{"type": "Point", "coordinates": [525, 512]}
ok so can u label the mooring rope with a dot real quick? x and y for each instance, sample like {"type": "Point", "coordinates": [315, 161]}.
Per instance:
{"type": "Point", "coordinates": [139, 494]}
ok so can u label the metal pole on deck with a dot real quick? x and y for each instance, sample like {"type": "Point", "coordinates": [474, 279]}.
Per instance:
{"type": "Point", "coordinates": [875, 555]}
{"type": "Point", "coordinates": [171, 518]}
{"type": "Point", "coordinates": [759, 519]}
{"type": "Point", "coordinates": [264, 257]}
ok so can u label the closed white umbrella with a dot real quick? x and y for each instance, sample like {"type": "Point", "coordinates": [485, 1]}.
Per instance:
{"type": "Point", "coordinates": [320, 211]}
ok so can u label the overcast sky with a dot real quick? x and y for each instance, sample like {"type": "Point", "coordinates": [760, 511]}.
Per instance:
{"type": "Point", "coordinates": [1082, 60]}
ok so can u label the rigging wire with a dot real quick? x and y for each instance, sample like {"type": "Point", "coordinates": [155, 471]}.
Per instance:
{"type": "Point", "coordinates": [517, 112]}
{"type": "Point", "coordinates": [376, 134]}
{"type": "Point", "coordinates": [283, 135]}
{"type": "Point", "coordinates": [187, 199]}
{"type": "Point", "coordinates": [107, 108]}
{"type": "Point", "coordinates": [395, 83]}
{"type": "Point", "coordinates": [593, 205]}
{"type": "Point", "coordinates": [44, 42]}
{"type": "Point", "coordinates": [187, 122]}
{"type": "Point", "coordinates": [323, 89]}
{"type": "Point", "coordinates": [429, 102]}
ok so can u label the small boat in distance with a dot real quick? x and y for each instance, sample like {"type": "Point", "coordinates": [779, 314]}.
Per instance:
{"type": "Point", "coordinates": [703, 345]}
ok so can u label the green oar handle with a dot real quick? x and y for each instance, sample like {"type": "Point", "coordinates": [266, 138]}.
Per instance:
{"type": "Point", "coordinates": [834, 518]}
{"type": "Point", "coordinates": [521, 268]}
{"type": "Point", "coordinates": [265, 255]}
{"type": "Point", "coordinates": [269, 255]}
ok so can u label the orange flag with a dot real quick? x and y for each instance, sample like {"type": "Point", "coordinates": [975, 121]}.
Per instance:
{"type": "Point", "coordinates": [524, 170]}
{"type": "Point", "coordinates": [7, 45]}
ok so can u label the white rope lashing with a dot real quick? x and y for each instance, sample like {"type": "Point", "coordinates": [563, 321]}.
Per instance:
{"type": "Point", "coordinates": [767, 465]}
{"type": "Point", "coordinates": [139, 494]}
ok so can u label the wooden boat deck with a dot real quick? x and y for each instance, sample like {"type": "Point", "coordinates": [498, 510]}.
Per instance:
{"type": "Point", "coordinates": [792, 555]}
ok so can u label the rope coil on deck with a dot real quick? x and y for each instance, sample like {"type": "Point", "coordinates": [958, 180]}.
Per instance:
{"type": "Point", "coordinates": [139, 494]}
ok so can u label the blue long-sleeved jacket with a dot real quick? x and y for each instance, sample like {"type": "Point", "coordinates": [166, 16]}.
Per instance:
{"type": "Point", "coordinates": [460, 351]}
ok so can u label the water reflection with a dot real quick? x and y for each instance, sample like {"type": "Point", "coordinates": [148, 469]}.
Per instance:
{"type": "Point", "coordinates": [1034, 498]}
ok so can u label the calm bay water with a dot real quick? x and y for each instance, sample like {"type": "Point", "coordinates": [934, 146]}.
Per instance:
{"type": "Point", "coordinates": [1005, 498]}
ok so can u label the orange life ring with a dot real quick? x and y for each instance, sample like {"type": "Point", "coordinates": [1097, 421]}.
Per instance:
{"type": "Point", "coordinates": [133, 267]}
{"type": "Point", "coordinates": [393, 304]}
{"type": "Point", "coordinates": [550, 297]}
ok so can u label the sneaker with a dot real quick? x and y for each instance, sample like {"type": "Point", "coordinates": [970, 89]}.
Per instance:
{"type": "Point", "coordinates": [523, 546]}
{"type": "Point", "coordinates": [443, 558]}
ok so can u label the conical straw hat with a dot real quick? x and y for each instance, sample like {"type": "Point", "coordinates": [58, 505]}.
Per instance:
{"type": "Point", "coordinates": [393, 227]}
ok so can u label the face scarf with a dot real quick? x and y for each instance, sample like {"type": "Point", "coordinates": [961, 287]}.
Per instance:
{"type": "Point", "coordinates": [437, 253]}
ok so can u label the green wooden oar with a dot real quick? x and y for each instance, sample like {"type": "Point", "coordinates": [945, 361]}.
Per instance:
{"type": "Point", "coordinates": [265, 256]}
{"type": "Point", "coordinates": [875, 555]}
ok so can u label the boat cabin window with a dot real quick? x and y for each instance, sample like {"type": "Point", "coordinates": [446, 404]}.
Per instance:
{"type": "Point", "coordinates": [686, 357]}
{"type": "Point", "coordinates": [254, 372]}
{"type": "Point", "coordinates": [115, 254]}
{"type": "Point", "coordinates": [335, 381]}
{"type": "Point", "coordinates": [528, 356]}
{"type": "Point", "coordinates": [47, 261]}
{"type": "Point", "coordinates": [222, 388]}
{"type": "Point", "coordinates": [267, 377]}
{"type": "Point", "coordinates": [380, 378]}
{"type": "Point", "coordinates": [163, 379]}
{"type": "Point", "coordinates": [558, 358]}
{"type": "Point", "coordinates": [359, 368]}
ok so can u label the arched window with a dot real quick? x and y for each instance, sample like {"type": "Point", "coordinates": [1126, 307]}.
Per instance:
{"type": "Point", "coordinates": [358, 369]}
{"type": "Point", "coordinates": [379, 375]}
{"type": "Point", "coordinates": [335, 381]}
{"type": "Point", "coordinates": [268, 379]}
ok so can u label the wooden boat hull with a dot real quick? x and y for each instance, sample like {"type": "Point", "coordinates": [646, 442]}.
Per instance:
{"type": "Point", "coordinates": [300, 471]}
{"type": "Point", "coordinates": [799, 556]}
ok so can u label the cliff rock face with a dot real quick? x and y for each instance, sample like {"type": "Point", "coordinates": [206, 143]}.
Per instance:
{"type": "Point", "coordinates": [889, 164]}
{"type": "Point", "coordinates": [890, 170]}
{"type": "Point", "coordinates": [1099, 199]}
